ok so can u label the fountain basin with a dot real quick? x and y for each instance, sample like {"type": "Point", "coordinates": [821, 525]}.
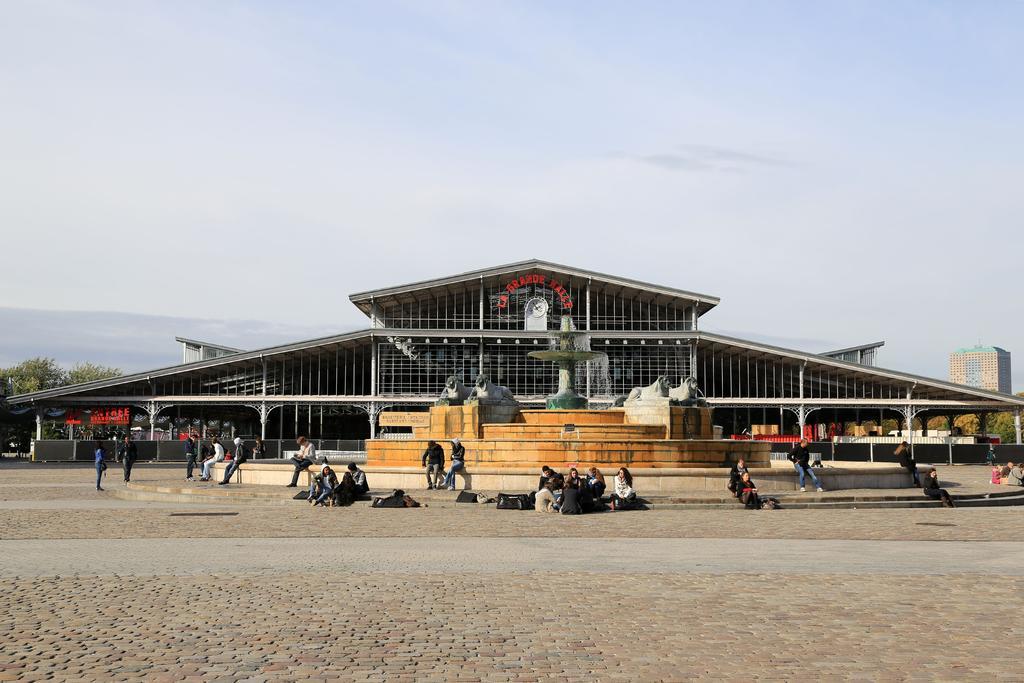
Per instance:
{"type": "Point", "coordinates": [665, 437]}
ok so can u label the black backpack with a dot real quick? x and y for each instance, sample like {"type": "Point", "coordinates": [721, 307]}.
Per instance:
{"type": "Point", "coordinates": [514, 501]}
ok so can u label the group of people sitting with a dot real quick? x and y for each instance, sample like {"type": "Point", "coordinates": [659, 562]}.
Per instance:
{"type": "Point", "coordinates": [206, 456]}
{"type": "Point", "coordinates": [1008, 474]}
{"type": "Point", "coordinates": [326, 490]}
{"type": "Point", "coordinates": [577, 495]}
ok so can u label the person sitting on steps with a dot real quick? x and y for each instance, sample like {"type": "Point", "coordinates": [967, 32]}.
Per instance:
{"type": "Point", "coordinates": [218, 456]}
{"type": "Point", "coordinates": [571, 503]}
{"type": "Point", "coordinates": [241, 454]}
{"type": "Point", "coordinates": [322, 486]}
{"type": "Point", "coordinates": [458, 462]}
{"type": "Point", "coordinates": [359, 479]}
{"type": "Point", "coordinates": [933, 489]}
{"type": "Point", "coordinates": [624, 497]}
{"type": "Point", "coordinates": [1016, 475]}
{"type": "Point", "coordinates": [596, 484]}
{"type": "Point", "coordinates": [433, 463]}
{"type": "Point", "coordinates": [735, 475]}
{"type": "Point", "coordinates": [304, 459]}
{"type": "Point", "coordinates": [345, 493]}
{"type": "Point", "coordinates": [801, 459]}
{"type": "Point", "coordinates": [545, 498]}
{"type": "Point", "coordinates": [549, 475]}
{"type": "Point", "coordinates": [905, 456]}
{"type": "Point", "coordinates": [747, 492]}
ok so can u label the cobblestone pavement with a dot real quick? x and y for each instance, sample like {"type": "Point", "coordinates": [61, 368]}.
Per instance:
{"type": "Point", "coordinates": [280, 593]}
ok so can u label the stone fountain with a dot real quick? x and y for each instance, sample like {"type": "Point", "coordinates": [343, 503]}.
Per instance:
{"type": "Point", "coordinates": [668, 440]}
{"type": "Point", "coordinates": [566, 357]}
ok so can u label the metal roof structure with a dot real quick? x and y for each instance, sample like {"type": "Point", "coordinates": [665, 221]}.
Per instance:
{"type": "Point", "coordinates": [916, 382]}
{"type": "Point", "coordinates": [362, 300]}
{"type": "Point", "coordinates": [405, 356]}
{"type": "Point", "coordinates": [851, 349]}
{"type": "Point", "coordinates": [209, 345]}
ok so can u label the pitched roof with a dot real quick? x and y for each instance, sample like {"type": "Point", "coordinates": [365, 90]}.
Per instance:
{"type": "Point", "coordinates": [705, 301]}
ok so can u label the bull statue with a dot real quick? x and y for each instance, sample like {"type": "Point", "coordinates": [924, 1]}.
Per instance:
{"type": "Point", "coordinates": [688, 394]}
{"type": "Point", "coordinates": [455, 392]}
{"type": "Point", "coordinates": [658, 390]}
{"type": "Point", "coordinates": [486, 392]}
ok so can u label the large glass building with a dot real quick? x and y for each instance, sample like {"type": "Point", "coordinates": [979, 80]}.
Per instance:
{"type": "Point", "coordinates": [487, 321]}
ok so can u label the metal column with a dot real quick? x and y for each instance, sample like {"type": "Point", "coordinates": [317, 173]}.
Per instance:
{"type": "Point", "coordinates": [373, 366]}
{"type": "Point", "coordinates": [588, 305]}
{"type": "Point", "coordinates": [1016, 424]}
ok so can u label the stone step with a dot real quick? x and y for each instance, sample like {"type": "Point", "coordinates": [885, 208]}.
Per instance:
{"type": "Point", "coordinates": [280, 495]}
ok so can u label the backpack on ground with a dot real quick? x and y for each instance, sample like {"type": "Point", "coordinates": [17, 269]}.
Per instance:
{"type": "Point", "coordinates": [769, 503]}
{"type": "Point", "coordinates": [466, 497]}
{"type": "Point", "coordinates": [514, 501]}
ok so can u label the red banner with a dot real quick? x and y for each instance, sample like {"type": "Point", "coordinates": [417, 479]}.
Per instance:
{"type": "Point", "coordinates": [99, 416]}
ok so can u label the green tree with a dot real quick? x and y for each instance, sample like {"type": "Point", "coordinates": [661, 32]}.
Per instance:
{"type": "Point", "coordinates": [90, 372]}
{"type": "Point", "coordinates": [35, 374]}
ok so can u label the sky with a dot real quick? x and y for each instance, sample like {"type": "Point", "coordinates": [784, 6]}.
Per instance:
{"type": "Point", "coordinates": [837, 172]}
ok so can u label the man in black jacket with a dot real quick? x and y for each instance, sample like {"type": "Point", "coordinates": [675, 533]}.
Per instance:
{"type": "Point", "coordinates": [433, 461]}
{"type": "Point", "coordinates": [549, 475]}
{"type": "Point", "coordinates": [127, 452]}
{"type": "Point", "coordinates": [190, 456]}
{"type": "Point", "coordinates": [240, 455]}
{"type": "Point", "coordinates": [801, 459]}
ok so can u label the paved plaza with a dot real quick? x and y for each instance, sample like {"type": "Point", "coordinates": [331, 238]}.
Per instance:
{"type": "Point", "coordinates": [98, 588]}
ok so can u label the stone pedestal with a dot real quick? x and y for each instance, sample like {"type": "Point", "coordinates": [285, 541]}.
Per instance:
{"type": "Point", "coordinates": [679, 422]}
{"type": "Point", "coordinates": [464, 421]}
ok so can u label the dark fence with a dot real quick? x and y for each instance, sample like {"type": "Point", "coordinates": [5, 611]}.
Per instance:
{"type": "Point", "coordinates": [55, 451]}
{"type": "Point", "coordinates": [174, 451]}
{"type": "Point", "coordinates": [854, 452]}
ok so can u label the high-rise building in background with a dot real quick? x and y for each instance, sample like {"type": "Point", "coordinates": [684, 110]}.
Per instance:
{"type": "Point", "coordinates": [985, 367]}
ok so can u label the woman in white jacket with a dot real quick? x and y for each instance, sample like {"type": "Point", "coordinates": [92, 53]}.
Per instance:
{"type": "Point", "coordinates": [624, 497]}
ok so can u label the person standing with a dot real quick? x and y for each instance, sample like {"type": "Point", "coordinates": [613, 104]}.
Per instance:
{"type": "Point", "coordinates": [304, 459]}
{"type": "Point", "coordinates": [101, 466]}
{"type": "Point", "coordinates": [433, 462]}
{"type": "Point", "coordinates": [240, 456]}
{"type": "Point", "coordinates": [906, 459]}
{"type": "Point", "coordinates": [129, 453]}
{"type": "Point", "coordinates": [801, 459]}
{"type": "Point", "coordinates": [458, 462]}
{"type": "Point", "coordinates": [259, 449]}
{"type": "Point", "coordinates": [218, 456]}
{"type": "Point", "coordinates": [190, 455]}
{"type": "Point", "coordinates": [362, 486]}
